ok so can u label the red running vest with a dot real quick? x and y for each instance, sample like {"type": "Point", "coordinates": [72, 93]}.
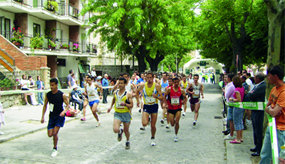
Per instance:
{"type": "Point", "coordinates": [174, 99]}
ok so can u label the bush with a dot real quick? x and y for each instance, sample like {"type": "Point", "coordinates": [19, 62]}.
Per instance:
{"type": "Point", "coordinates": [6, 83]}
{"type": "Point", "coordinates": [37, 42]}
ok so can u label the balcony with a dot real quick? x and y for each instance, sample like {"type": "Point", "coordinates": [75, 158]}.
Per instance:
{"type": "Point", "coordinates": [44, 9]}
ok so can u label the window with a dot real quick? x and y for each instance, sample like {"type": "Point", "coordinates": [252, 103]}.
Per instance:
{"type": "Point", "coordinates": [7, 28]}
{"type": "Point", "coordinates": [37, 30]}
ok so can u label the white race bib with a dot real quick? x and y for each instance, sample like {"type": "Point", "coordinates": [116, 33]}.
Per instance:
{"type": "Point", "coordinates": [174, 101]}
{"type": "Point", "coordinates": [51, 107]}
{"type": "Point", "coordinates": [197, 92]}
{"type": "Point", "coordinates": [118, 105]}
{"type": "Point", "coordinates": [149, 100]}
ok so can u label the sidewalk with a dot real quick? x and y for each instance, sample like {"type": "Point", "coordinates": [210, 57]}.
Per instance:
{"type": "Point", "coordinates": [23, 120]}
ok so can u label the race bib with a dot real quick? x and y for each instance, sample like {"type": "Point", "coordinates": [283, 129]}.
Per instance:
{"type": "Point", "coordinates": [174, 101]}
{"type": "Point", "coordinates": [149, 100]}
{"type": "Point", "coordinates": [51, 107]}
{"type": "Point", "coordinates": [118, 105]}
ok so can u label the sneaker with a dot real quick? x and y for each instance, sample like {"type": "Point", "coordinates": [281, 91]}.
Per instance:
{"type": "Point", "coordinates": [194, 123]}
{"type": "Point", "coordinates": [142, 128]}
{"type": "Point", "coordinates": [140, 110]}
{"type": "Point", "coordinates": [229, 137]}
{"type": "Point", "coordinates": [127, 145]}
{"type": "Point", "coordinates": [175, 139]}
{"type": "Point", "coordinates": [1, 133]}
{"type": "Point", "coordinates": [167, 126]}
{"type": "Point", "coordinates": [98, 124]}
{"type": "Point", "coordinates": [162, 121]}
{"type": "Point", "coordinates": [152, 143]}
{"type": "Point", "coordinates": [120, 135]}
{"type": "Point", "coordinates": [248, 122]}
{"type": "Point", "coordinates": [83, 119]}
{"type": "Point", "coordinates": [53, 153]}
{"type": "Point", "coordinates": [183, 114]}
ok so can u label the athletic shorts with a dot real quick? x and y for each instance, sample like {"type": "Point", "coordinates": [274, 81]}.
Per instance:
{"type": "Point", "coordinates": [124, 117]}
{"type": "Point", "coordinates": [194, 100]}
{"type": "Point", "coordinates": [173, 111]}
{"type": "Point", "coordinates": [93, 102]}
{"type": "Point", "coordinates": [55, 121]}
{"type": "Point", "coordinates": [150, 108]}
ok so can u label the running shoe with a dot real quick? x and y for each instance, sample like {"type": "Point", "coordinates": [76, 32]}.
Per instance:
{"type": "Point", "coordinates": [53, 153]}
{"type": "Point", "coordinates": [142, 128]}
{"type": "Point", "coordinates": [162, 121]}
{"type": "Point", "coordinates": [83, 119]}
{"type": "Point", "coordinates": [194, 123]}
{"type": "Point", "coordinates": [140, 110]}
{"type": "Point", "coordinates": [175, 139]}
{"type": "Point", "coordinates": [120, 135]}
{"type": "Point", "coordinates": [1, 133]}
{"type": "Point", "coordinates": [183, 114]}
{"type": "Point", "coordinates": [127, 145]}
{"type": "Point", "coordinates": [152, 143]}
{"type": "Point", "coordinates": [98, 124]}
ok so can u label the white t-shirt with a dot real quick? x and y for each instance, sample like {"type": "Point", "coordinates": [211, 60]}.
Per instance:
{"type": "Point", "coordinates": [24, 83]}
{"type": "Point", "coordinates": [249, 83]}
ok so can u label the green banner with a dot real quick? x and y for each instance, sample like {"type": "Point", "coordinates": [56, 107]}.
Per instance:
{"type": "Point", "coordinates": [273, 137]}
{"type": "Point", "coordinates": [248, 105]}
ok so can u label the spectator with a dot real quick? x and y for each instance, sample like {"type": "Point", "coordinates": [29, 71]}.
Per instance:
{"type": "Point", "coordinates": [75, 97]}
{"type": "Point", "coordinates": [238, 112]}
{"type": "Point", "coordinates": [257, 94]}
{"type": "Point", "coordinates": [24, 86]}
{"type": "Point", "coordinates": [93, 72]}
{"type": "Point", "coordinates": [73, 80]}
{"type": "Point", "coordinates": [32, 86]}
{"type": "Point", "coordinates": [276, 108]}
{"type": "Point", "coordinates": [40, 86]}
{"type": "Point", "coordinates": [105, 83]}
{"type": "Point", "coordinates": [69, 78]}
{"type": "Point", "coordinates": [229, 92]}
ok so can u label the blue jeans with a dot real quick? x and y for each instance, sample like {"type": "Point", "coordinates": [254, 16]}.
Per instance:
{"type": "Point", "coordinates": [40, 98]}
{"type": "Point", "coordinates": [266, 153]}
{"type": "Point", "coordinates": [237, 118]}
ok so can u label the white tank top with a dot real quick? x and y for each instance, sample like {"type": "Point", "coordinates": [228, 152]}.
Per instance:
{"type": "Point", "coordinates": [129, 87]}
{"type": "Point", "coordinates": [92, 92]}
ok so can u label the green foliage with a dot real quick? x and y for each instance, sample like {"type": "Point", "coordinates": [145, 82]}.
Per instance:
{"type": "Point", "coordinates": [51, 44]}
{"type": "Point", "coordinates": [51, 5]}
{"type": "Point", "coordinates": [37, 42]}
{"type": "Point", "coordinates": [149, 29]}
{"type": "Point", "coordinates": [18, 37]}
{"type": "Point", "coordinates": [6, 83]}
{"type": "Point", "coordinates": [227, 28]}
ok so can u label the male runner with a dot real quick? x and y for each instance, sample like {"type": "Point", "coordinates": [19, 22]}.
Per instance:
{"type": "Point", "coordinates": [55, 98]}
{"type": "Point", "coordinates": [151, 92]}
{"type": "Point", "coordinates": [195, 90]}
{"type": "Point", "coordinates": [93, 97]}
{"type": "Point", "coordinates": [123, 104]}
{"type": "Point", "coordinates": [175, 98]}
{"type": "Point", "coordinates": [184, 86]}
{"type": "Point", "coordinates": [164, 85]}
{"type": "Point", "coordinates": [170, 84]}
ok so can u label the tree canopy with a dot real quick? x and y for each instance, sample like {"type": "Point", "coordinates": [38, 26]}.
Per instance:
{"type": "Point", "coordinates": [226, 29]}
{"type": "Point", "coordinates": [147, 29]}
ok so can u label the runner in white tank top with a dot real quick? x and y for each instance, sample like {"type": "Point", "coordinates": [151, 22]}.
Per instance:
{"type": "Point", "coordinates": [93, 97]}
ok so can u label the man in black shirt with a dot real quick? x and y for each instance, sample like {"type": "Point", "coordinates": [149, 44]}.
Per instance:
{"type": "Point", "coordinates": [55, 99]}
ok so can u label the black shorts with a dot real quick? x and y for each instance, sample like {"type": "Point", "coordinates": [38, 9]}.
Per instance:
{"type": "Point", "coordinates": [173, 111]}
{"type": "Point", "coordinates": [194, 100]}
{"type": "Point", "coordinates": [150, 108]}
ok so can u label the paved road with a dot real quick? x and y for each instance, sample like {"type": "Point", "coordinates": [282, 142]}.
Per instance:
{"type": "Point", "coordinates": [82, 142]}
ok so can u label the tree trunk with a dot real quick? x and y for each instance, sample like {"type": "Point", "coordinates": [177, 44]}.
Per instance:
{"type": "Point", "coordinates": [276, 21]}
{"type": "Point", "coordinates": [141, 62]}
{"type": "Point", "coordinates": [153, 63]}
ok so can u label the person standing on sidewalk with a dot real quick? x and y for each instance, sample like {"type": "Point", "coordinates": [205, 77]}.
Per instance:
{"type": "Point", "coordinates": [123, 104]}
{"type": "Point", "coordinates": [229, 93]}
{"type": "Point", "coordinates": [93, 97]}
{"type": "Point", "coordinates": [257, 94]}
{"type": "Point", "coordinates": [40, 86]}
{"type": "Point", "coordinates": [105, 83]}
{"type": "Point", "coordinates": [276, 108]}
{"type": "Point", "coordinates": [69, 79]}
{"type": "Point", "coordinates": [151, 93]}
{"type": "Point", "coordinates": [55, 98]}
{"type": "Point", "coordinates": [175, 98]}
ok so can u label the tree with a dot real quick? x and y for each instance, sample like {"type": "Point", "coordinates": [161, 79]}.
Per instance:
{"type": "Point", "coordinates": [147, 29]}
{"type": "Point", "coordinates": [226, 29]}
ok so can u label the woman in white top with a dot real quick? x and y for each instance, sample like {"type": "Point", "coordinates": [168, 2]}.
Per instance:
{"type": "Point", "coordinates": [93, 97]}
{"type": "Point", "coordinates": [24, 86]}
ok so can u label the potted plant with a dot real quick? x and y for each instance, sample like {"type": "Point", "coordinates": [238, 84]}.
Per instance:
{"type": "Point", "coordinates": [51, 6]}
{"type": "Point", "coordinates": [75, 47]}
{"type": "Point", "coordinates": [64, 46]}
{"type": "Point", "coordinates": [51, 44]}
{"type": "Point", "coordinates": [18, 37]}
{"type": "Point", "coordinates": [87, 48]}
{"type": "Point", "coordinates": [37, 42]}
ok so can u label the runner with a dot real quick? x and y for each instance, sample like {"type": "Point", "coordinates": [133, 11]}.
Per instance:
{"type": "Point", "coordinates": [93, 97]}
{"type": "Point", "coordinates": [140, 81]}
{"type": "Point", "coordinates": [195, 90]}
{"type": "Point", "coordinates": [164, 85]}
{"type": "Point", "coordinates": [123, 105]}
{"type": "Point", "coordinates": [170, 84]}
{"type": "Point", "coordinates": [55, 99]}
{"type": "Point", "coordinates": [175, 98]}
{"type": "Point", "coordinates": [184, 86]}
{"type": "Point", "coordinates": [151, 92]}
